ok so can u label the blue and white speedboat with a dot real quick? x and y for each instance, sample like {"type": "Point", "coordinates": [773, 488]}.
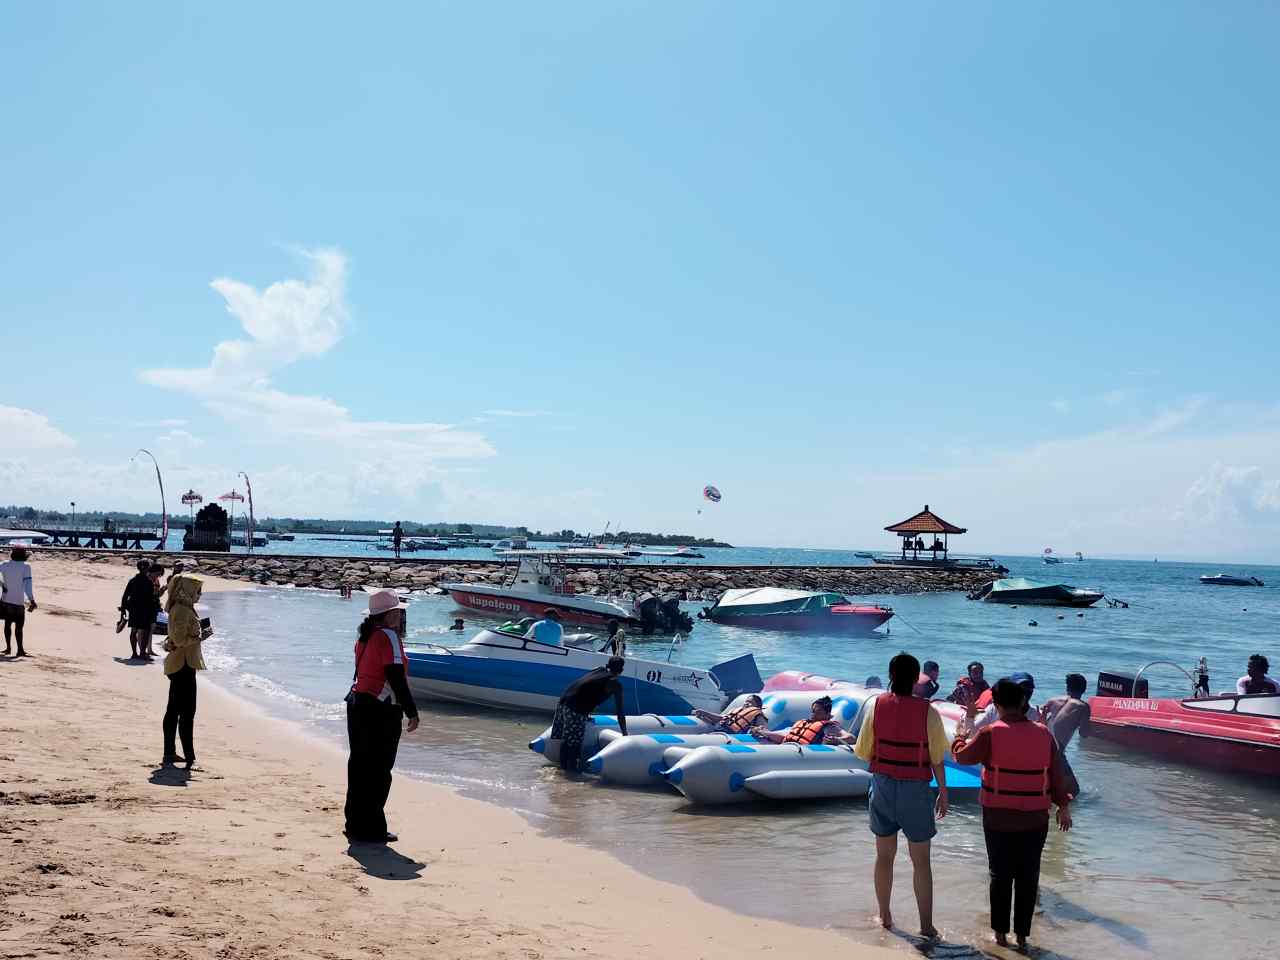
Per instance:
{"type": "Point", "coordinates": [506, 668]}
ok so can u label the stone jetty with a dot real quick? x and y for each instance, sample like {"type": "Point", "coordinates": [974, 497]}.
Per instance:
{"type": "Point", "coordinates": [693, 581]}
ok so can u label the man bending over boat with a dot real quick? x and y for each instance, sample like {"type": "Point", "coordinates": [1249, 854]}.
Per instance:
{"type": "Point", "coordinates": [578, 702]}
{"type": "Point", "coordinates": [747, 717]}
{"type": "Point", "coordinates": [1255, 679]}
{"type": "Point", "coordinates": [817, 729]}
{"type": "Point", "coordinates": [1066, 714]}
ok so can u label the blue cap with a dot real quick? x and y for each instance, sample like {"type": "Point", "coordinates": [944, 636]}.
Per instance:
{"type": "Point", "coordinates": [1023, 680]}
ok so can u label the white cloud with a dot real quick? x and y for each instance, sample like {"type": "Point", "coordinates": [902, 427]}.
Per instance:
{"type": "Point", "coordinates": [1060, 405]}
{"type": "Point", "coordinates": [1232, 495]}
{"type": "Point", "coordinates": [290, 320]}
{"type": "Point", "coordinates": [26, 430]}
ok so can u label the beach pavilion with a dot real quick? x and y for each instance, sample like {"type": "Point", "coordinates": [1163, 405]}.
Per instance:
{"type": "Point", "coordinates": [925, 524]}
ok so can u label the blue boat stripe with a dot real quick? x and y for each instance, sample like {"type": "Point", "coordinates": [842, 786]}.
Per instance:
{"type": "Point", "coordinates": [548, 680]}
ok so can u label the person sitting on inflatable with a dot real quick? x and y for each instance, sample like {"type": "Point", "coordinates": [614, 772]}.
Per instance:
{"type": "Point", "coordinates": [747, 716]}
{"type": "Point", "coordinates": [971, 686]}
{"type": "Point", "coordinates": [926, 687]}
{"type": "Point", "coordinates": [816, 729]}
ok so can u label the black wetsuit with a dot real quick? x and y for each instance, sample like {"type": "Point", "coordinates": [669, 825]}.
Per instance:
{"type": "Point", "coordinates": [577, 702]}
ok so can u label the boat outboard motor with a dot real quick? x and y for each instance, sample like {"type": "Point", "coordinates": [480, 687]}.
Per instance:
{"type": "Point", "coordinates": [1121, 685]}
{"type": "Point", "coordinates": [671, 617]}
{"type": "Point", "coordinates": [647, 609]}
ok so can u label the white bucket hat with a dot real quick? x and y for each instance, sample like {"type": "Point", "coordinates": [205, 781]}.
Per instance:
{"type": "Point", "coordinates": [384, 600]}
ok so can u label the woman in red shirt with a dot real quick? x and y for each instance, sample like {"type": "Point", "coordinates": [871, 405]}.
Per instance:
{"type": "Point", "coordinates": [378, 699]}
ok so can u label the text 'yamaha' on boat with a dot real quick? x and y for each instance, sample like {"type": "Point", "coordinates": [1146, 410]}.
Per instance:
{"type": "Point", "coordinates": [539, 582]}
{"type": "Point", "coordinates": [775, 608]}
{"type": "Point", "coordinates": [1229, 731]}
{"type": "Point", "coordinates": [509, 668]}
{"type": "Point", "coordinates": [1036, 593]}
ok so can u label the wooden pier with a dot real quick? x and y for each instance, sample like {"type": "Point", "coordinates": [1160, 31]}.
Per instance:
{"type": "Point", "coordinates": [115, 539]}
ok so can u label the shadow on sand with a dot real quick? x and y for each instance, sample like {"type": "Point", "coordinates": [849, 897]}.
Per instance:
{"type": "Point", "coordinates": [379, 860]}
{"type": "Point", "coordinates": [132, 661]}
{"type": "Point", "coordinates": [170, 775]}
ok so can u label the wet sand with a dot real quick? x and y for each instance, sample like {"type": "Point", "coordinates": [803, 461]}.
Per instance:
{"type": "Point", "coordinates": [108, 855]}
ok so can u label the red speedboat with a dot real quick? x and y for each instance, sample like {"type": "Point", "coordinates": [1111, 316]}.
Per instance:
{"type": "Point", "coordinates": [1226, 732]}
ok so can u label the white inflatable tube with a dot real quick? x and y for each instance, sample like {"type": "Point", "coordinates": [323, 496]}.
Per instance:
{"type": "Point", "coordinates": [638, 760]}
{"type": "Point", "coordinates": [718, 774]}
{"type": "Point", "coordinates": [809, 784]}
{"type": "Point", "coordinates": [599, 724]}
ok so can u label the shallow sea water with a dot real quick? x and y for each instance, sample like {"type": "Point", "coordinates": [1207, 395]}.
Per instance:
{"type": "Point", "coordinates": [1164, 860]}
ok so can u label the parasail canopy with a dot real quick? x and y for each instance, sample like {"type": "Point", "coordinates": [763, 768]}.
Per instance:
{"type": "Point", "coordinates": [232, 495]}
{"type": "Point", "coordinates": [1048, 551]}
{"type": "Point", "coordinates": [192, 497]}
{"type": "Point", "coordinates": [711, 493]}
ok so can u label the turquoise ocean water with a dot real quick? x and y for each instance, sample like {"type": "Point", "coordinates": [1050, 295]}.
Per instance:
{"type": "Point", "coordinates": [1165, 860]}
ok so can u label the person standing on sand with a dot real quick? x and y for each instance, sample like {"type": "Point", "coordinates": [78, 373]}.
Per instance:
{"type": "Point", "coordinates": [139, 603]}
{"type": "Point", "coordinates": [378, 699]}
{"type": "Point", "coordinates": [903, 739]}
{"type": "Point", "coordinates": [1022, 772]}
{"type": "Point", "coordinates": [183, 658]}
{"type": "Point", "coordinates": [16, 575]}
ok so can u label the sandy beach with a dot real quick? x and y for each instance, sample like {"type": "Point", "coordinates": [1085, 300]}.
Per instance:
{"type": "Point", "coordinates": [108, 855]}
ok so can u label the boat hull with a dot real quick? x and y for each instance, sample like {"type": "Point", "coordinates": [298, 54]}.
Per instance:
{"type": "Point", "coordinates": [519, 673]}
{"type": "Point", "coordinates": [501, 604]}
{"type": "Point", "coordinates": [860, 620]}
{"type": "Point", "coordinates": [1225, 580]}
{"type": "Point", "coordinates": [1204, 738]}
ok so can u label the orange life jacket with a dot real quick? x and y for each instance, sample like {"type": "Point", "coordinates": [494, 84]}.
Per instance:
{"type": "Point", "coordinates": [1017, 775]}
{"type": "Point", "coordinates": [806, 731]}
{"type": "Point", "coordinates": [984, 699]}
{"type": "Point", "coordinates": [901, 735]}
{"type": "Point", "coordinates": [741, 719]}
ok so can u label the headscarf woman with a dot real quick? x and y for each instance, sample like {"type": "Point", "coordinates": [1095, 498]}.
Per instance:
{"type": "Point", "coordinates": [183, 658]}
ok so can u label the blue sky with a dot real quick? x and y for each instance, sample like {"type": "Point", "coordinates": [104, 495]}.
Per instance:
{"type": "Point", "coordinates": [563, 265]}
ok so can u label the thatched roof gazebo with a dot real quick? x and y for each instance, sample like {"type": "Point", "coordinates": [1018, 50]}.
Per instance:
{"type": "Point", "coordinates": [925, 523]}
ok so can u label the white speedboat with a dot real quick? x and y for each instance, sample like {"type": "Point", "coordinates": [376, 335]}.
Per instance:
{"type": "Point", "coordinates": [540, 583]}
{"type": "Point", "coordinates": [505, 668]}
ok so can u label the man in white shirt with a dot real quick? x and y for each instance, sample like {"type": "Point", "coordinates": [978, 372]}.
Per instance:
{"type": "Point", "coordinates": [16, 576]}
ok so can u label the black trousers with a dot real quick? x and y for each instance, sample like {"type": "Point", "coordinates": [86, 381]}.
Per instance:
{"type": "Point", "coordinates": [180, 714]}
{"type": "Point", "coordinates": [373, 728]}
{"type": "Point", "coordinates": [1014, 860]}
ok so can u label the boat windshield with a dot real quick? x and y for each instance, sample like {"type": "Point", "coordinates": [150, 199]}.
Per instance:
{"type": "Point", "coordinates": [1258, 705]}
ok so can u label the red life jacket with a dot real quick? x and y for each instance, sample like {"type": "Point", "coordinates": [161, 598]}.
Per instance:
{"type": "Point", "coordinates": [1017, 775]}
{"type": "Point", "coordinates": [984, 699]}
{"type": "Point", "coordinates": [741, 719]}
{"type": "Point", "coordinates": [806, 731]}
{"type": "Point", "coordinates": [901, 735]}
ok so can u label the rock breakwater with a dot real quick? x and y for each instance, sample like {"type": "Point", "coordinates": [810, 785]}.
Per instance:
{"type": "Point", "coordinates": [694, 582]}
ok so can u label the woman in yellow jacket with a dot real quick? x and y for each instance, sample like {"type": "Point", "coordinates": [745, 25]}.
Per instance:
{"type": "Point", "coordinates": [182, 659]}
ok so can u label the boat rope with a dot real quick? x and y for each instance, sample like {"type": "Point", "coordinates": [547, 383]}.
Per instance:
{"type": "Point", "coordinates": [910, 624]}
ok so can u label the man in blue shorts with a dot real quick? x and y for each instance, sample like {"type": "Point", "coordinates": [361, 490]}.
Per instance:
{"type": "Point", "coordinates": [903, 740]}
